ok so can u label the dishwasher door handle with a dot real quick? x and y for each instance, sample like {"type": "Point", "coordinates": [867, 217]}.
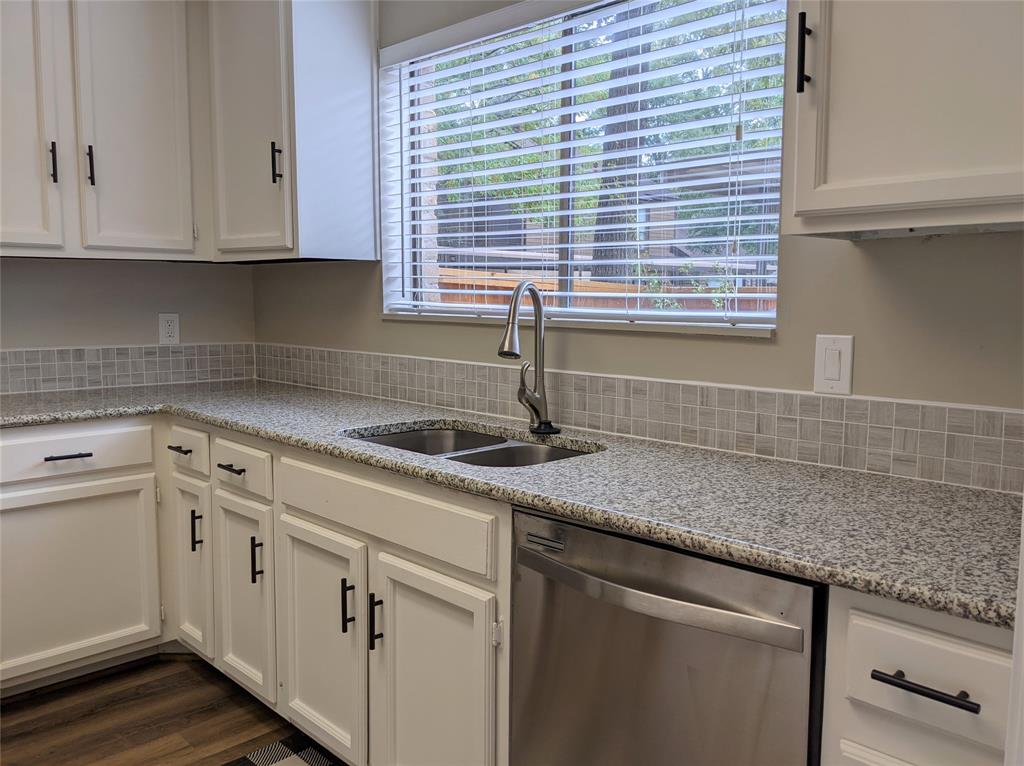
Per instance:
{"type": "Point", "coordinates": [780, 634]}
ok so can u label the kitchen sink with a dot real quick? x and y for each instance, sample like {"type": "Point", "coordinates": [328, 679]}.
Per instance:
{"type": "Point", "coordinates": [436, 441]}
{"type": "Point", "coordinates": [516, 455]}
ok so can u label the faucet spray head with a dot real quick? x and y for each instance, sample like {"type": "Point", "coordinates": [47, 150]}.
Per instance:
{"type": "Point", "coordinates": [509, 346]}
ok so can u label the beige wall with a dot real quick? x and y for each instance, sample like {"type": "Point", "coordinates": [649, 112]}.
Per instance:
{"type": "Point", "coordinates": [938, 319]}
{"type": "Point", "coordinates": [401, 20]}
{"type": "Point", "coordinates": [46, 302]}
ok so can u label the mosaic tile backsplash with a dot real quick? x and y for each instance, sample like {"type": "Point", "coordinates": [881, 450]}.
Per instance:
{"type": "Point", "coordinates": [973, 446]}
{"type": "Point", "coordinates": [68, 369]}
{"type": "Point", "coordinates": [959, 445]}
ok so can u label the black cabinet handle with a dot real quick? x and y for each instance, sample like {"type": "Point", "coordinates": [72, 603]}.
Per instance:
{"type": "Point", "coordinates": [373, 602]}
{"type": "Point", "coordinates": [274, 151]}
{"type": "Point", "coordinates": [92, 165]}
{"type": "Point", "coordinates": [74, 456]}
{"type": "Point", "coordinates": [961, 699]}
{"type": "Point", "coordinates": [345, 619]}
{"type": "Point", "coordinates": [53, 161]}
{"type": "Point", "coordinates": [179, 449]}
{"type": "Point", "coordinates": [802, 33]}
{"type": "Point", "coordinates": [253, 571]}
{"type": "Point", "coordinates": [230, 468]}
{"type": "Point", "coordinates": [195, 540]}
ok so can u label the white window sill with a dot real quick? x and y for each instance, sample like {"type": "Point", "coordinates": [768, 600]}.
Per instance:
{"type": "Point", "coordinates": [603, 325]}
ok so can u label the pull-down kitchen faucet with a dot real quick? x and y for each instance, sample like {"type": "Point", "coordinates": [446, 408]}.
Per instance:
{"type": "Point", "coordinates": [534, 399]}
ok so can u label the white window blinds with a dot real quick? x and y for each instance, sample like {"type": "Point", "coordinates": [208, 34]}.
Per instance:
{"type": "Point", "coordinates": [625, 158]}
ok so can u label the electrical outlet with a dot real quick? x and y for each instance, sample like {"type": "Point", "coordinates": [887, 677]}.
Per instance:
{"type": "Point", "coordinates": [167, 329]}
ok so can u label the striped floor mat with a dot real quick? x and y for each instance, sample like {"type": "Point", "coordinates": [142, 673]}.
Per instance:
{"type": "Point", "coordinates": [296, 750]}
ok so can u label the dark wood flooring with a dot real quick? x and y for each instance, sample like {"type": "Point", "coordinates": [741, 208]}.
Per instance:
{"type": "Point", "coordinates": [161, 712]}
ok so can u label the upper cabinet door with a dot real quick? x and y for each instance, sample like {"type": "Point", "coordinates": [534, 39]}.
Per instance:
{"type": "Point", "coordinates": [30, 202]}
{"type": "Point", "coordinates": [911, 105]}
{"type": "Point", "coordinates": [133, 124]}
{"type": "Point", "coordinates": [251, 92]}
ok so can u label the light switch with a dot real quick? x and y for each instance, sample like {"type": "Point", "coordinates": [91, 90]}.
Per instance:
{"type": "Point", "coordinates": [833, 364]}
{"type": "Point", "coordinates": [832, 356]}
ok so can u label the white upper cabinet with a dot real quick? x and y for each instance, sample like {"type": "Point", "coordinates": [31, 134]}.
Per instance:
{"type": "Point", "coordinates": [31, 177]}
{"type": "Point", "coordinates": [251, 93]}
{"type": "Point", "coordinates": [292, 88]}
{"type": "Point", "coordinates": [131, 69]}
{"type": "Point", "coordinates": [912, 117]}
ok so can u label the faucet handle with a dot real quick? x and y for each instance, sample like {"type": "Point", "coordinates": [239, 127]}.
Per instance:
{"type": "Point", "coordinates": [523, 369]}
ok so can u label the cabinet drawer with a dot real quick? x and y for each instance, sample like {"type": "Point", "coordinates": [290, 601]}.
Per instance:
{"type": "Point", "coordinates": [66, 454]}
{"type": "Point", "coordinates": [189, 449]}
{"type": "Point", "coordinates": [247, 468]}
{"type": "Point", "coordinates": [934, 660]}
{"type": "Point", "coordinates": [458, 534]}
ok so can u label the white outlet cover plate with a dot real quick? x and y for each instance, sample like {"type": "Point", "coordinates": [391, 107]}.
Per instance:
{"type": "Point", "coordinates": [167, 329]}
{"type": "Point", "coordinates": [833, 376]}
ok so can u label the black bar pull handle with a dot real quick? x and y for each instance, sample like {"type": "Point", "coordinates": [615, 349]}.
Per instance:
{"type": "Point", "coordinates": [253, 571]}
{"type": "Point", "coordinates": [274, 152]}
{"type": "Point", "coordinates": [53, 161]}
{"type": "Point", "coordinates": [961, 699]}
{"type": "Point", "coordinates": [195, 540]}
{"type": "Point", "coordinates": [230, 468]}
{"type": "Point", "coordinates": [345, 619]}
{"type": "Point", "coordinates": [802, 33]}
{"type": "Point", "coordinates": [373, 602]}
{"type": "Point", "coordinates": [92, 165]}
{"type": "Point", "coordinates": [73, 456]}
{"type": "Point", "coordinates": [179, 449]}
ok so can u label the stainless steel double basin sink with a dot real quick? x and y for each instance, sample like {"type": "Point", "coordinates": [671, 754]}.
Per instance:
{"type": "Point", "coordinates": [473, 447]}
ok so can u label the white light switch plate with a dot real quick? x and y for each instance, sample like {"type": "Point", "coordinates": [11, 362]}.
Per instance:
{"type": "Point", "coordinates": [833, 364]}
{"type": "Point", "coordinates": [167, 329]}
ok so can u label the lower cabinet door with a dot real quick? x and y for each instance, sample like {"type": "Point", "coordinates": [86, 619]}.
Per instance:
{"type": "Point", "coordinates": [194, 551]}
{"type": "Point", "coordinates": [321, 624]}
{"type": "Point", "coordinates": [243, 565]}
{"type": "Point", "coordinates": [432, 668]}
{"type": "Point", "coordinates": [78, 571]}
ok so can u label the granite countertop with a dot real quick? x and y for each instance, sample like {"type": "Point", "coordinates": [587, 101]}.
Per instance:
{"type": "Point", "coordinates": [943, 547]}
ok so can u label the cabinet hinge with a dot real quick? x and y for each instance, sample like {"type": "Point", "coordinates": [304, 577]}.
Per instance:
{"type": "Point", "coordinates": [158, 498]}
{"type": "Point", "coordinates": [163, 614]}
{"type": "Point", "coordinates": [195, 230]}
{"type": "Point", "coordinates": [497, 629]}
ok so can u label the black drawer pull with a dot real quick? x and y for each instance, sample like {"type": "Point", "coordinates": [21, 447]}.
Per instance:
{"type": "Point", "coordinates": [373, 602]}
{"type": "Point", "coordinates": [195, 540]}
{"type": "Point", "coordinates": [961, 699]}
{"type": "Point", "coordinates": [230, 468]}
{"type": "Point", "coordinates": [274, 151]}
{"type": "Point", "coordinates": [53, 161]}
{"type": "Point", "coordinates": [345, 619]}
{"type": "Point", "coordinates": [179, 449]}
{"type": "Point", "coordinates": [802, 33]}
{"type": "Point", "coordinates": [74, 456]}
{"type": "Point", "coordinates": [92, 165]}
{"type": "Point", "coordinates": [253, 571]}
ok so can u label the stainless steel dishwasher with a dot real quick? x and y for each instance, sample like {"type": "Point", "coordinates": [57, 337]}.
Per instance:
{"type": "Point", "coordinates": [629, 654]}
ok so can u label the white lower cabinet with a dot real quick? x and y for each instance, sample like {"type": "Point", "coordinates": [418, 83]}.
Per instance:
{"type": "Point", "coordinates": [321, 625]}
{"type": "Point", "coordinates": [243, 565]}
{"type": "Point", "coordinates": [194, 545]}
{"type": "Point", "coordinates": [78, 571]}
{"type": "Point", "coordinates": [432, 668]}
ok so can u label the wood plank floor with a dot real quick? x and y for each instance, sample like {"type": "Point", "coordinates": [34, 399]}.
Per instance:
{"type": "Point", "coordinates": [159, 713]}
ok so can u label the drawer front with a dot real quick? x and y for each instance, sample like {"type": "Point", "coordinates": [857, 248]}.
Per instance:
{"type": "Point", "coordinates": [934, 660]}
{"type": "Point", "coordinates": [244, 467]}
{"type": "Point", "coordinates": [189, 449]}
{"type": "Point", "coordinates": [67, 454]}
{"type": "Point", "coordinates": [459, 535]}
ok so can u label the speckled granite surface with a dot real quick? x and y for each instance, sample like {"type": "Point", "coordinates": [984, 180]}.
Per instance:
{"type": "Point", "coordinates": [943, 547]}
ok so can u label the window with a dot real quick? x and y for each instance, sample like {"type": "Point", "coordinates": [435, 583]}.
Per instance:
{"type": "Point", "coordinates": [625, 158]}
